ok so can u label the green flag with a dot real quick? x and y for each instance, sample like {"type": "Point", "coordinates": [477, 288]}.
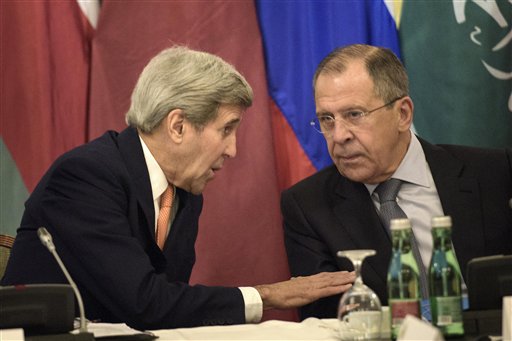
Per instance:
{"type": "Point", "coordinates": [13, 192]}
{"type": "Point", "coordinates": [458, 55]}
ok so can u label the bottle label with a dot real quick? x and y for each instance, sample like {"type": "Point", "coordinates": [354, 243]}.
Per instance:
{"type": "Point", "coordinates": [400, 308]}
{"type": "Point", "coordinates": [446, 310]}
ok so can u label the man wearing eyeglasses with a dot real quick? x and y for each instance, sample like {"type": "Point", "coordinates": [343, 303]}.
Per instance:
{"type": "Point", "coordinates": [365, 114]}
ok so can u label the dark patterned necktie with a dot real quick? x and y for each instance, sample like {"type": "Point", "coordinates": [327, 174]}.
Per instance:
{"type": "Point", "coordinates": [389, 209]}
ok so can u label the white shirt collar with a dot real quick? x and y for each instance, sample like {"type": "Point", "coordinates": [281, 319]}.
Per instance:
{"type": "Point", "coordinates": [413, 168]}
{"type": "Point", "coordinates": [156, 175]}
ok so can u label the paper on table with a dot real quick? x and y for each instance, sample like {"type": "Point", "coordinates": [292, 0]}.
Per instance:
{"type": "Point", "coordinates": [109, 329]}
{"type": "Point", "coordinates": [14, 334]}
{"type": "Point", "coordinates": [309, 329]}
{"type": "Point", "coordinates": [507, 318]}
{"type": "Point", "coordinates": [415, 329]}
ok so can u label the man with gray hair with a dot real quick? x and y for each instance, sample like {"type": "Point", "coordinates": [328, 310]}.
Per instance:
{"type": "Point", "coordinates": [364, 111]}
{"type": "Point", "coordinates": [124, 209]}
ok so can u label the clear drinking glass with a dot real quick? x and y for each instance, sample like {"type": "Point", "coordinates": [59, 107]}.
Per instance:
{"type": "Point", "coordinates": [359, 311]}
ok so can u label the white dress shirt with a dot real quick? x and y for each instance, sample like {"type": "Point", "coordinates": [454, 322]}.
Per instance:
{"type": "Point", "coordinates": [418, 196]}
{"type": "Point", "coordinates": [252, 299]}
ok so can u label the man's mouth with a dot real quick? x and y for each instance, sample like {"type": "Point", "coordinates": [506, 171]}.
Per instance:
{"type": "Point", "coordinates": [348, 158]}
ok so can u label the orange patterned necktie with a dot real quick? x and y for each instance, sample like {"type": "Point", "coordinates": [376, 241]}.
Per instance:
{"type": "Point", "coordinates": [162, 224]}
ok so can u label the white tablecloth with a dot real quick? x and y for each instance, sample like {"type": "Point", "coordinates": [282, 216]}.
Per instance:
{"type": "Point", "coordinates": [309, 329]}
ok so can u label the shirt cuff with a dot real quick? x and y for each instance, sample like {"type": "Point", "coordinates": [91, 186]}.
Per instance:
{"type": "Point", "coordinates": [253, 304]}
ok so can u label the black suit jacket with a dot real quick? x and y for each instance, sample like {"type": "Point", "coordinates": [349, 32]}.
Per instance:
{"type": "Point", "coordinates": [96, 201]}
{"type": "Point", "coordinates": [327, 212]}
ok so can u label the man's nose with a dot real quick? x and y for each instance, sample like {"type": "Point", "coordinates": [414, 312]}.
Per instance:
{"type": "Point", "coordinates": [231, 147]}
{"type": "Point", "coordinates": [341, 132]}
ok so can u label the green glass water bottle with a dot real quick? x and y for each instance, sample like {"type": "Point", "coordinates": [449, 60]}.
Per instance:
{"type": "Point", "coordinates": [445, 281]}
{"type": "Point", "coordinates": [403, 276]}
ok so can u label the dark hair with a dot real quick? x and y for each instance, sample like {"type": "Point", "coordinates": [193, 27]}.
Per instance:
{"type": "Point", "coordinates": [385, 69]}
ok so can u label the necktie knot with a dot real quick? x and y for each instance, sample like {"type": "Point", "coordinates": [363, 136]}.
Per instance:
{"type": "Point", "coordinates": [388, 190]}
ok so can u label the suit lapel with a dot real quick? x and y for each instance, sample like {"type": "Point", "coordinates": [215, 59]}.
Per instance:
{"type": "Point", "coordinates": [459, 193]}
{"type": "Point", "coordinates": [131, 150]}
{"type": "Point", "coordinates": [358, 217]}
{"type": "Point", "coordinates": [181, 224]}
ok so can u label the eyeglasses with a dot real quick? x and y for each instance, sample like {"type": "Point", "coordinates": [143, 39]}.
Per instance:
{"type": "Point", "coordinates": [325, 124]}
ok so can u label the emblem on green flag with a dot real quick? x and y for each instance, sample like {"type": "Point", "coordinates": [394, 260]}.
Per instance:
{"type": "Point", "coordinates": [458, 55]}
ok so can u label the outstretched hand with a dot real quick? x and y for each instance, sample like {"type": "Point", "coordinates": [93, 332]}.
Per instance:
{"type": "Point", "coordinates": [300, 291]}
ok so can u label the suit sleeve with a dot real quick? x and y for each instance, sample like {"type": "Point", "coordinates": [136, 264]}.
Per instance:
{"type": "Point", "coordinates": [307, 254]}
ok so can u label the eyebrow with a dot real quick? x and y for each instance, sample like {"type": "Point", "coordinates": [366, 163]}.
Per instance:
{"type": "Point", "coordinates": [324, 113]}
{"type": "Point", "coordinates": [350, 108]}
{"type": "Point", "coordinates": [233, 121]}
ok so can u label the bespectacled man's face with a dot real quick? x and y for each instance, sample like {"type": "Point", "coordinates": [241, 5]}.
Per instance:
{"type": "Point", "coordinates": [371, 151]}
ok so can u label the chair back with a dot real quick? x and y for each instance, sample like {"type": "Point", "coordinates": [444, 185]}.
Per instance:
{"type": "Point", "coordinates": [6, 243]}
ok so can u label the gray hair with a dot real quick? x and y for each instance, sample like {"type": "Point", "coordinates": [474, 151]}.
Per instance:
{"type": "Point", "coordinates": [385, 69]}
{"type": "Point", "coordinates": [194, 81]}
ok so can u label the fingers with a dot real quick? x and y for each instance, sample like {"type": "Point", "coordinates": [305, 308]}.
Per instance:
{"type": "Point", "coordinates": [302, 290]}
{"type": "Point", "coordinates": [329, 279]}
{"type": "Point", "coordinates": [329, 283]}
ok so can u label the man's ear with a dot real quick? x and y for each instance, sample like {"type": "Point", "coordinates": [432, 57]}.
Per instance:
{"type": "Point", "coordinates": [175, 124]}
{"type": "Point", "coordinates": [406, 113]}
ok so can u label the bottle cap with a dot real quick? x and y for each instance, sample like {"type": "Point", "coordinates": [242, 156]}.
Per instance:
{"type": "Point", "coordinates": [400, 224]}
{"type": "Point", "coordinates": [444, 221]}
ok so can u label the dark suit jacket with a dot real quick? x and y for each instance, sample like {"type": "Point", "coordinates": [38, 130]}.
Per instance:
{"type": "Point", "coordinates": [96, 201]}
{"type": "Point", "coordinates": [327, 212]}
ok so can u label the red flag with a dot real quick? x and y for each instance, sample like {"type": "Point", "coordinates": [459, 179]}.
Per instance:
{"type": "Point", "coordinates": [44, 68]}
